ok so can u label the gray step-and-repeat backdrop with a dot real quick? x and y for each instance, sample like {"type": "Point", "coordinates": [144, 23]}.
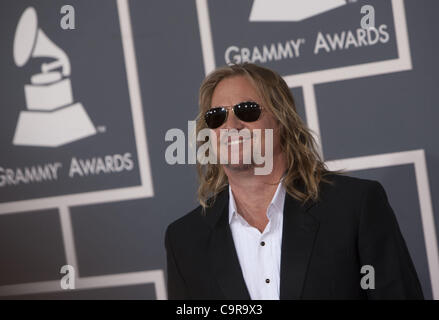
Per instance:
{"type": "Point", "coordinates": [89, 90]}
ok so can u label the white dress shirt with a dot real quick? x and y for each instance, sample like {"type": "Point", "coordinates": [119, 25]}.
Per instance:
{"type": "Point", "coordinates": [259, 253]}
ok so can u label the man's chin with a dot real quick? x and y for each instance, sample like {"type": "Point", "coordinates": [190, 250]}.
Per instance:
{"type": "Point", "coordinates": [239, 167]}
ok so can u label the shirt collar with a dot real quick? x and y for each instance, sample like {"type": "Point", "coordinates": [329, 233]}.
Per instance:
{"type": "Point", "coordinates": [277, 201]}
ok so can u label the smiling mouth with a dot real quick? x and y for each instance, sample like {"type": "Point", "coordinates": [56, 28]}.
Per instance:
{"type": "Point", "coordinates": [234, 141]}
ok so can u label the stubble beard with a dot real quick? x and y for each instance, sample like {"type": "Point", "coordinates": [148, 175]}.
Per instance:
{"type": "Point", "coordinates": [239, 167]}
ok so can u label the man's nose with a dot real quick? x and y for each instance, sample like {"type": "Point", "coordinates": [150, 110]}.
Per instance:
{"type": "Point", "coordinates": [233, 122]}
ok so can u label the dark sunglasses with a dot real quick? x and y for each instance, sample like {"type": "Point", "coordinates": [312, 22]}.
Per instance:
{"type": "Point", "coordinates": [248, 111]}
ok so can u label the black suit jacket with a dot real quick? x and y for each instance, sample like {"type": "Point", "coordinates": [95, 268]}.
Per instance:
{"type": "Point", "coordinates": [324, 245]}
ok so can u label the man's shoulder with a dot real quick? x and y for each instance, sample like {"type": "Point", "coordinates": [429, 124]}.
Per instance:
{"type": "Point", "coordinates": [347, 184]}
{"type": "Point", "coordinates": [187, 231]}
{"type": "Point", "coordinates": [342, 201]}
{"type": "Point", "coordinates": [347, 190]}
{"type": "Point", "coordinates": [199, 218]}
{"type": "Point", "coordinates": [188, 221]}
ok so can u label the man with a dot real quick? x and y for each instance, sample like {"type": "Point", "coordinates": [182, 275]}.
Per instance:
{"type": "Point", "coordinates": [299, 232]}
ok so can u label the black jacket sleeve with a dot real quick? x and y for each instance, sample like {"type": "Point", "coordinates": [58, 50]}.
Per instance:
{"type": "Point", "coordinates": [382, 246]}
{"type": "Point", "coordinates": [176, 285]}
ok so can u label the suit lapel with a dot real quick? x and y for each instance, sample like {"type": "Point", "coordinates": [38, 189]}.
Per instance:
{"type": "Point", "coordinates": [222, 252]}
{"type": "Point", "coordinates": [298, 234]}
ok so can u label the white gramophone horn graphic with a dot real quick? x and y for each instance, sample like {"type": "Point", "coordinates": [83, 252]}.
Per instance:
{"type": "Point", "coordinates": [51, 118]}
{"type": "Point", "coordinates": [290, 10]}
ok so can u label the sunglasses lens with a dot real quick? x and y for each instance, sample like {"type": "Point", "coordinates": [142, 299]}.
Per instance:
{"type": "Point", "coordinates": [215, 117]}
{"type": "Point", "coordinates": [248, 111]}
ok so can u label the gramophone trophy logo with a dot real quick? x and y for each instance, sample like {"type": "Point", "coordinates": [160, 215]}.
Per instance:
{"type": "Point", "coordinates": [291, 10]}
{"type": "Point", "coordinates": [52, 118]}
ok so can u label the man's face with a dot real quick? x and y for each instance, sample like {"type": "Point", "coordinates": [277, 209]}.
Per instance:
{"type": "Point", "coordinates": [229, 92]}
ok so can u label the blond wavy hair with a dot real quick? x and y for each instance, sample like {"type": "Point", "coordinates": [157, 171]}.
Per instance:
{"type": "Point", "coordinates": [304, 165]}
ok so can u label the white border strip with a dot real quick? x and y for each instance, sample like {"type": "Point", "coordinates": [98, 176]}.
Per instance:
{"type": "Point", "coordinates": [135, 97]}
{"type": "Point", "coordinates": [88, 198]}
{"type": "Point", "coordinates": [68, 238]}
{"type": "Point", "coordinates": [312, 116]}
{"type": "Point", "coordinates": [205, 35]}
{"type": "Point", "coordinates": [416, 157]}
{"type": "Point", "coordinates": [115, 280]}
